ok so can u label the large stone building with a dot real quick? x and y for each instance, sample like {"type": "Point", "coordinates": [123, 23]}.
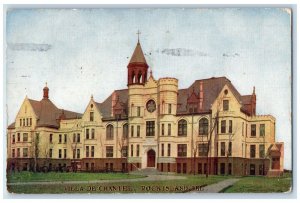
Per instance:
{"type": "Point", "coordinates": [207, 128]}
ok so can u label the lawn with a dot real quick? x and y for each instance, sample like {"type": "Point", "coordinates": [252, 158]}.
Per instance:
{"type": "Point", "coordinates": [166, 186]}
{"type": "Point", "coordinates": [56, 176]}
{"type": "Point", "coordinates": [258, 184]}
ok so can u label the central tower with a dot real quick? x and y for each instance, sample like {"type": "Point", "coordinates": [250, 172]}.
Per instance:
{"type": "Point", "coordinates": [137, 67]}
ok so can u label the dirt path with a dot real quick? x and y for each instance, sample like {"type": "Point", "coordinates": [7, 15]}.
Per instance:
{"type": "Point", "coordinates": [217, 187]}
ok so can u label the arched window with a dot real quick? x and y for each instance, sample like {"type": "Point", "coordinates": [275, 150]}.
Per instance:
{"type": "Point", "coordinates": [140, 77]}
{"type": "Point", "coordinates": [182, 128]}
{"type": "Point", "coordinates": [125, 130]}
{"type": "Point", "coordinates": [109, 132]}
{"type": "Point", "coordinates": [203, 126]}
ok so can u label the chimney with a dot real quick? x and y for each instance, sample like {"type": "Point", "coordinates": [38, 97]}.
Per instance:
{"type": "Point", "coordinates": [46, 92]}
{"type": "Point", "coordinates": [201, 95]}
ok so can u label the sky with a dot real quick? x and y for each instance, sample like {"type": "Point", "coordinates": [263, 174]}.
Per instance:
{"type": "Point", "coordinates": [84, 52]}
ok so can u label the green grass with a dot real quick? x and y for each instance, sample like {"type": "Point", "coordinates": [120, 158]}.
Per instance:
{"type": "Point", "coordinates": [54, 176]}
{"type": "Point", "coordinates": [166, 186]}
{"type": "Point", "coordinates": [261, 185]}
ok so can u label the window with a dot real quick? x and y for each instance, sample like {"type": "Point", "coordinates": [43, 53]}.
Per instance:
{"type": "Point", "coordinates": [252, 151]}
{"type": "Point", "coordinates": [109, 151]}
{"type": "Point", "coordinates": [261, 151]}
{"type": "Point", "coordinates": [223, 126]}
{"type": "Point", "coordinates": [60, 138]}
{"type": "Point", "coordinates": [20, 122]}
{"type": "Point", "coordinates": [59, 153]}
{"type": "Point", "coordinates": [246, 130]}
{"type": "Point", "coordinates": [242, 128]}
{"type": "Point", "coordinates": [162, 129]}
{"type": "Point", "coordinates": [181, 150]}
{"type": "Point", "coordinates": [13, 153]}
{"type": "Point", "coordinates": [169, 108]}
{"type": "Point", "coordinates": [262, 130]}
{"type": "Point", "coordinates": [169, 129]}
{"type": "Point", "coordinates": [51, 138]}
{"type": "Point", "coordinates": [182, 128]}
{"type": "Point", "coordinates": [169, 149]}
{"type": "Point", "coordinates": [203, 148]}
{"type": "Point", "coordinates": [138, 129]}
{"type": "Point", "coordinates": [27, 122]}
{"type": "Point", "coordinates": [203, 126]}
{"type": "Point", "coordinates": [138, 150]}
{"type": "Point", "coordinates": [93, 133]}
{"type": "Point", "coordinates": [74, 138]}
{"type": "Point", "coordinates": [87, 134]}
{"type": "Point", "coordinates": [150, 128]}
{"type": "Point", "coordinates": [91, 116]}
{"type": "Point", "coordinates": [230, 126]}
{"type": "Point", "coordinates": [92, 151]}
{"type": "Point", "coordinates": [138, 111]}
{"type": "Point", "coordinates": [78, 137]}
{"type": "Point", "coordinates": [23, 121]}
{"type": "Point", "coordinates": [132, 131]}
{"type": "Point", "coordinates": [65, 153]}
{"type": "Point", "coordinates": [74, 153]}
{"type": "Point", "coordinates": [253, 130]}
{"type": "Point", "coordinates": [229, 148]}
{"type": "Point", "coordinates": [13, 138]}
{"type": "Point", "coordinates": [162, 150]}
{"type": "Point", "coordinates": [87, 151]}
{"type": "Point", "coordinates": [125, 130]}
{"type": "Point", "coordinates": [110, 132]}
{"type": "Point", "coordinates": [131, 150]}
{"type": "Point", "coordinates": [50, 153]}
{"type": "Point", "coordinates": [222, 148]}
{"type": "Point", "coordinates": [65, 138]}
{"type": "Point", "coordinates": [225, 105]}
{"type": "Point", "coordinates": [19, 137]}
{"type": "Point", "coordinates": [78, 153]}
{"type": "Point", "coordinates": [18, 152]}
{"type": "Point", "coordinates": [30, 121]}
{"type": "Point", "coordinates": [25, 152]}
{"type": "Point", "coordinates": [124, 151]}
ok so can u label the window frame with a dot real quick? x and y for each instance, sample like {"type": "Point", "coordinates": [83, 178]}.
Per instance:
{"type": "Point", "coordinates": [182, 128]}
{"type": "Point", "coordinates": [109, 132]}
{"type": "Point", "coordinates": [203, 126]}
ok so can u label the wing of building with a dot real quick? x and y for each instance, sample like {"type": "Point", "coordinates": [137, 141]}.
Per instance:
{"type": "Point", "coordinates": [207, 128]}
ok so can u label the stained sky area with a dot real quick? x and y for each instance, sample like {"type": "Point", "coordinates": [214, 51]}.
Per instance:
{"type": "Point", "coordinates": [80, 52]}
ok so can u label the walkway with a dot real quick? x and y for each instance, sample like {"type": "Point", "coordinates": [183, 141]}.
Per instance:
{"type": "Point", "coordinates": [148, 178]}
{"type": "Point", "coordinates": [217, 187]}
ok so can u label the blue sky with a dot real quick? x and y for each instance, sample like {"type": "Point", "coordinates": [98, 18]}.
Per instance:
{"type": "Point", "coordinates": [81, 52]}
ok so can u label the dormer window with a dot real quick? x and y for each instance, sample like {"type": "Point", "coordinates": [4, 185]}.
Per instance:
{"type": "Point", "coordinates": [91, 116]}
{"type": "Point", "coordinates": [225, 105]}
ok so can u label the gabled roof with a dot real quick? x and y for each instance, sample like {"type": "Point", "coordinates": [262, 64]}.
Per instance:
{"type": "Point", "coordinates": [138, 55]}
{"type": "Point", "coordinates": [48, 115]}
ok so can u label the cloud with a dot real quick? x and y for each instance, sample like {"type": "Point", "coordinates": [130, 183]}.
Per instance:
{"type": "Point", "coordinates": [231, 55]}
{"type": "Point", "coordinates": [182, 52]}
{"type": "Point", "coordinates": [29, 47]}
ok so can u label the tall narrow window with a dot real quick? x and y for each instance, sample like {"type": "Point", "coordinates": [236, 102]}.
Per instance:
{"type": "Point", "coordinates": [65, 153]}
{"type": "Point", "coordinates": [125, 130]}
{"type": "Point", "coordinates": [23, 121]}
{"type": "Point", "coordinates": [124, 151]}
{"type": "Point", "coordinates": [262, 130]}
{"type": "Point", "coordinates": [150, 128]}
{"type": "Point", "coordinates": [203, 126]}
{"type": "Point", "coordinates": [202, 149]}
{"type": "Point", "coordinates": [225, 105]}
{"type": "Point", "coordinates": [109, 151]}
{"type": "Point", "coordinates": [110, 132]}
{"type": "Point", "coordinates": [182, 128]}
{"type": "Point", "coordinates": [59, 153]}
{"type": "Point", "coordinates": [252, 151]}
{"type": "Point", "coordinates": [132, 131]}
{"type": "Point", "coordinates": [222, 148]}
{"type": "Point", "coordinates": [59, 138]}
{"type": "Point", "coordinates": [261, 151]}
{"type": "Point", "coordinates": [51, 138]}
{"type": "Point", "coordinates": [87, 134]}
{"type": "Point", "coordinates": [169, 129]}
{"type": "Point", "coordinates": [230, 149]}
{"type": "Point", "coordinates": [162, 150]}
{"type": "Point", "coordinates": [242, 128]}
{"type": "Point", "coordinates": [162, 129]}
{"type": "Point", "coordinates": [169, 108]}
{"type": "Point", "coordinates": [223, 126]}
{"type": "Point", "coordinates": [246, 129]}
{"type": "Point", "coordinates": [131, 150]}
{"type": "Point", "coordinates": [74, 138]}
{"type": "Point", "coordinates": [25, 152]}
{"type": "Point", "coordinates": [91, 116]}
{"type": "Point", "coordinates": [20, 122]}
{"type": "Point", "coordinates": [74, 153]}
{"type": "Point", "coordinates": [93, 133]}
{"type": "Point", "coordinates": [50, 153]}
{"type": "Point", "coordinates": [30, 121]}
{"type": "Point", "coordinates": [230, 126]}
{"type": "Point", "coordinates": [65, 138]}
{"type": "Point", "coordinates": [87, 151]}
{"type": "Point", "coordinates": [169, 149]}
{"type": "Point", "coordinates": [253, 130]}
{"type": "Point", "coordinates": [181, 150]}
{"type": "Point", "coordinates": [27, 122]}
{"type": "Point", "coordinates": [13, 153]}
{"type": "Point", "coordinates": [138, 111]}
{"type": "Point", "coordinates": [92, 151]}
{"type": "Point", "coordinates": [138, 131]}
{"type": "Point", "coordinates": [25, 137]}
{"type": "Point", "coordinates": [78, 137]}
{"type": "Point", "coordinates": [13, 138]}
{"type": "Point", "coordinates": [78, 153]}
{"type": "Point", "coordinates": [138, 150]}
{"type": "Point", "coordinates": [18, 152]}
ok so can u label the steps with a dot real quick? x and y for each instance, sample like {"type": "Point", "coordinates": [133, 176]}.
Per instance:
{"type": "Point", "coordinates": [147, 171]}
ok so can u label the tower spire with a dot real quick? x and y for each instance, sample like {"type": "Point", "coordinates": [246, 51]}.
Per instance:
{"type": "Point", "coordinates": [138, 33]}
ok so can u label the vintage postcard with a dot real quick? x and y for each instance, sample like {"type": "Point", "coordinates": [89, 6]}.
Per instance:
{"type": "Point", "coordinates": [173, 100]}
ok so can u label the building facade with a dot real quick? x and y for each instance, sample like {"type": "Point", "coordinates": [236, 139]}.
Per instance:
{"type": "Point", "coordinates": [208, 128]}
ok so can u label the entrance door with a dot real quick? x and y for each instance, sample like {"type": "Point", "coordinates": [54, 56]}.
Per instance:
{"type": "Point", "coordinates": [151, 158]}
{"type": "Point", "coordinates": [252, 169]}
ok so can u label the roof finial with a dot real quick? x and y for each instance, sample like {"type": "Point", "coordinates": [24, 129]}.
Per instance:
{"type": "Point", "coordinates": [46, 84]}
{"type": "Point", "coordinates": [253, 89]}
{"type": "Point", "coordinates": [138, 33]}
